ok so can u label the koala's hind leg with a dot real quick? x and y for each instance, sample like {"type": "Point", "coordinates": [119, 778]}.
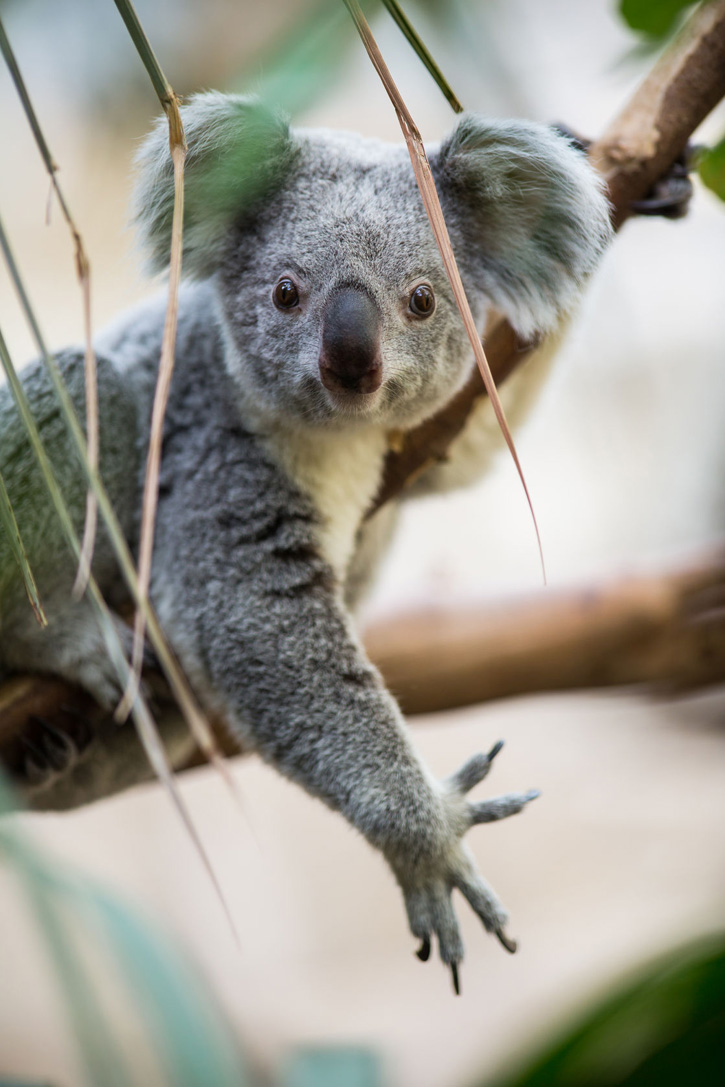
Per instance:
{"type": "Point", "coordinates": [79, 753]}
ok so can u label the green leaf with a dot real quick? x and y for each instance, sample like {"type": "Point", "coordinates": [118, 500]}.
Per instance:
{"type": "Point", "coordinates": [663, 1028]}
{"type": "Point", "coordinates": [653, 17]}
{"type": "Point", "coordinates": [712, 169]}
{"type": "Point", "coordinates": [333, 1066]}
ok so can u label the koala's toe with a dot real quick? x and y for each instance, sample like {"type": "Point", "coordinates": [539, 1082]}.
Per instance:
{"type": "Point", "coordinates": [500, 807]}
{"type": "Point", "coordinates": [482, 900]}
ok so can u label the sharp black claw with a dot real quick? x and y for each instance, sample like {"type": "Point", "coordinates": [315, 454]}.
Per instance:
{"type": "Point", "coordinates": [505, 941]}
{"type": "Point", "coordinates": [456, 980]}
{"type": "Point", "coordinates": [423, 951]}
{"type": "Point", "coordinates": [494, 751]}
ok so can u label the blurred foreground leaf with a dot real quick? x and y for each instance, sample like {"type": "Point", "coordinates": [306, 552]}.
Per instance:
{"type": "Point", "coordinates": [664, 1028]}
{"type": "Point", "coordinates": [333, 1066]}
{"type": "Point", "coordinates": [655, 18]}
{"type": "Point", "coordinates": [712, 170]}
{"type": "Point", "coordinates": [302, 64]}
{"type": "Point", "coordinates": [82, 926]}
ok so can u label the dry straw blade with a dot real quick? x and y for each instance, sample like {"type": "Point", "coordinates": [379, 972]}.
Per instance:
{"type": "Point", "coordinates": [177, 145]}
{"type": "Point", "coordinates": [426, 184]}
{"type": "Point", "coordinates": [83, 271]}
{"type": "Point", "coordinates": [144, 614]}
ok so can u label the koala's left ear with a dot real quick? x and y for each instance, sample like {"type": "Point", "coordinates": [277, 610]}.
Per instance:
{"type": "Point", "coordinates": [239, 151]}
{"type": "Point", "coordinates": [527, 215]}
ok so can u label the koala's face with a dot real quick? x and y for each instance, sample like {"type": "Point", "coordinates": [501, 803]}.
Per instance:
{"type": "Point", "coordinates": [335, 302]}
{"type": "Point", "coordinates": [335, 298]}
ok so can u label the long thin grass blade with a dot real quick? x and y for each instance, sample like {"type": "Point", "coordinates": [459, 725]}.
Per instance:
{"type": "Point", "coordinates": [7, 519]}
{"type": "Point", "coordinates": [83, 272]}
{"type": "Point", "coordinates": [176, 679]}
{"type": "Point", "coordinates": [426, 184]}
{"type": "Point", "coordinates": [143, 46]}
{"type": "Point", "coordinates": [147, 731]}
{"type": "Point", "coordinates": [420, 48]}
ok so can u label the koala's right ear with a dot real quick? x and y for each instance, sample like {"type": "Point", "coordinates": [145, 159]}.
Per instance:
{"type": "Point", "coordinates": [238, 150]}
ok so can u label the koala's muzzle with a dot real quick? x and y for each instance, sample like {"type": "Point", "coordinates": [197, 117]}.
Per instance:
{"type": "Point", "coordinates": [350, 358]}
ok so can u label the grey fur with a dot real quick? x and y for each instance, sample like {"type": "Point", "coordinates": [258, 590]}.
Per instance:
{"type": "Point", "coordinates": [266, 476]}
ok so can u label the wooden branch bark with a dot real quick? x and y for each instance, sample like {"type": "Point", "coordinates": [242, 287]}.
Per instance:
{"type": "Point", "coordinates": [640, 145]}
{"type": "Point", "coordinates": [662, 631]}
{"type": "Point", "coordinates": [621, 634]}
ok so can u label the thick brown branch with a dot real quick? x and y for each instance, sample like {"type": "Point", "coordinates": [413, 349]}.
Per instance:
{"type": "Point", "coordinates": [652, 130]}
{"type": "Point", "coordinates": [640, 145]}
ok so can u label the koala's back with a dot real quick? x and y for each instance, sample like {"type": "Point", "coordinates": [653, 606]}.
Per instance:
{"type": "Point", "coordinates": [127, 364]}
{"type": "Point", "coordinates": [48, 553]}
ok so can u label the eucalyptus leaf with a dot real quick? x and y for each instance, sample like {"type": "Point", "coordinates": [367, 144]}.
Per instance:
{"type": "Point", "coordinates": [656, 18]}
{"type": "Point", "coordinates": [664, 1027]}
{"type": "Point", "coordinates": [712, 169]}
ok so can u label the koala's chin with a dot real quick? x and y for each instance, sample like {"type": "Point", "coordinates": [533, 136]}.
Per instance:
{"type": "Point", "coordinates": [390, 406]}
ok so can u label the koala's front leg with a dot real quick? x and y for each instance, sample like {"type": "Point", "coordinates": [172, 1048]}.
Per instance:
{"type": "Point", "coordinates": [258, 615]}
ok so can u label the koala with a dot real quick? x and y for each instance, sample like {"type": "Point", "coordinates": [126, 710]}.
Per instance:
{"type": "Point", "coordinates": [316, 319]}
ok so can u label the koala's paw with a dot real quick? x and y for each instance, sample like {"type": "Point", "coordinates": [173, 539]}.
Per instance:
{"type": "Point", "coordinates": [427, 884]}
{"type": "Point", "coordinates": [93, 669]}
{"type": "Point", "coordinates": [50, 752]}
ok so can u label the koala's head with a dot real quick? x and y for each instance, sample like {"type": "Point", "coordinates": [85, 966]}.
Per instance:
{"type": "Point", "coordinates": [335, 303]}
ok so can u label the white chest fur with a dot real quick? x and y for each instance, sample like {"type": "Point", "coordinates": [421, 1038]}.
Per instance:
{"type": "Point", "coordinates": [340, 471]}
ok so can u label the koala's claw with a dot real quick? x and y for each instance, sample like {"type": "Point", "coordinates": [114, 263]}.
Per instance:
{"type": "Point", "coordinates": [506, 941]}
{"type": "Point", "coordinates": [423, 951]}
{"type": "Point", "coordinates": [494, 750]}
{"type": "Point", "coordinates": [51, 752]}
{"type": "Point", "coordinates": [456, 980]}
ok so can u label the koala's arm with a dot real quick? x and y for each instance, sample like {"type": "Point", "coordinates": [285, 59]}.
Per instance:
{"type": "Point", "coordinates": [255, 614]}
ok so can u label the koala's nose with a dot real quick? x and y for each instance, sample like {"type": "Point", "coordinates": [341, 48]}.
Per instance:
{"type": "Point", "coordinates": [350, 358]}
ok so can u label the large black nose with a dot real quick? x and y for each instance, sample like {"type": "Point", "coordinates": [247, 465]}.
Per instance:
{"type": "Point", "coordinates": [350, 354]}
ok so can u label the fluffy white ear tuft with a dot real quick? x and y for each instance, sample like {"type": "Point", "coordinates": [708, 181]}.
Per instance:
{"type": "Point", "coordinates": [238, 150]}
{"type": "Point", "coordinates": [528, 215]}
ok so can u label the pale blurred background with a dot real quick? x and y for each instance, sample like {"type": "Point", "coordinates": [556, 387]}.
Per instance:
{"type": "Point", "coordinates": [623, 854]}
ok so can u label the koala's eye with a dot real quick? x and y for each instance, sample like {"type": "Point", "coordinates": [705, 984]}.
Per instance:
{"type": "Point", "coordinates": [422, 301]}
{"type": "Point", "coordinates": [285, 294]}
